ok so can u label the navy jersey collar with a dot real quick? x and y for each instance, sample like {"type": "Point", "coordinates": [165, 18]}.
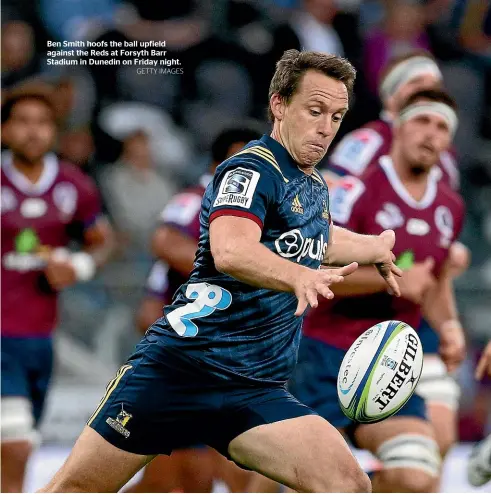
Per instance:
{"type": "Point", "coordinates": [287, 164]}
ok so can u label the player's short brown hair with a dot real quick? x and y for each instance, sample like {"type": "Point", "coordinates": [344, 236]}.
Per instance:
{"type": "Point", "coordinates": [25, 95]}
{"type": "Point", "coordinates": [435, 95]}
{"type": "Point", "coordinates": [293, 64]}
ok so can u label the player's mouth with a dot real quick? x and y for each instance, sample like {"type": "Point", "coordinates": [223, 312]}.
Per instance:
{"type": "Point", "coordinates": [317, 147]}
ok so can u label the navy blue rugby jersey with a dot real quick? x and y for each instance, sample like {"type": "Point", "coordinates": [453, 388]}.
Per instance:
{"type": "Point", "coordinates": [228, 328]}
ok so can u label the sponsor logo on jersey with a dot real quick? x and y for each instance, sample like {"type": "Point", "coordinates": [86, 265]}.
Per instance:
{"type": "Point", "coordinates": [26, 256]}
{"type": "Point", "coordinates": [445, 224]}
{"type": "Point", "coordinates": [325, 212]}
{"type": "Point", "coordinates": [343, 198]}
{"type": "Point", "coordinates": [402, 372]}
{"type": "Point", "coordinates": [65, 197]}
{"type": "Point", "coordinates": [8, 199]}
{"type": "Point", "coordinates": [297, 206]}
{"type": "Point", "coordinates": [389, 217]}
{"type": "Point", "coordinates": [292, 244]}
{"type": "Point", "coordinates": [417, 226]}
{"type": "Point", "coordinates": [119, 425]}
{"type": "Point", "coordinates": [33, 208]}
{"type": "Point", "coordinates": [237, 188]}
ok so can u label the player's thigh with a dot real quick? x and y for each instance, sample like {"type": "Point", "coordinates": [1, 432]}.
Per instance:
{"type": "Point", "coordinates": [95, 465]}
{"type": "Point", "coordinates": [314, 381]}
{"type": "Point", "coordinates": [408, 452]}
{"type": "Point", "coordinates": [305, 453]}
{"type": "Point", "coordinates": [236, 478]}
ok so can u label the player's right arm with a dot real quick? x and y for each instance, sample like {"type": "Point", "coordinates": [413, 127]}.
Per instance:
{"type": "Point", "coordinates": [242, 195]}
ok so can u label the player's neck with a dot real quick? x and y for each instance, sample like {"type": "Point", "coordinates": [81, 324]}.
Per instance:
{"type": "Point", "coordinates": [31, 170]}
{"type": "Point", "coordinates": [414, 183]}
{"type": "Point", "coordinates": [276, 135]}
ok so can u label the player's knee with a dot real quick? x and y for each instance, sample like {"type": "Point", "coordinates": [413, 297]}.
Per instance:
{"type": "Point", "coordinates": [351, 478]}
{"type": "Point", "coordinates": [411, 463]}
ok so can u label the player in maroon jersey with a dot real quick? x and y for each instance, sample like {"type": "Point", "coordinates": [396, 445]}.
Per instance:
{"type": "Point", "coordinates": [174, 244]}
{"type": "Point", "coordinates": [402, 193]}
{"type": "Point", "coordinates": [362, 149]}
{"type": "Point", "coordinates": [45, 205]}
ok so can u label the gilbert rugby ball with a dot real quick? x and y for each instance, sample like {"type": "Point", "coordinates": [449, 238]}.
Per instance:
{"type": "Point", "coordinates": [380, 372]}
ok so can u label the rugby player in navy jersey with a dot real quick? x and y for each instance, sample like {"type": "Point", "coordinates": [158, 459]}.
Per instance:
{"type": "Point", "coordinates": [213, 369]}
{"type": "Point", "coordinates": [174, 243]}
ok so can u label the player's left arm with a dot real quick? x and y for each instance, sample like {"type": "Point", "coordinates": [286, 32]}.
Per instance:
{"type": "Point", "coordinates": [346, 246]}
{"type": "Point", "coordinates": [65, 268]}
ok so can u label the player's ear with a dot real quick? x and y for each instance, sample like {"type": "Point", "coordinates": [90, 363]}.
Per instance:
{"type": "Point", "coordinates": [277, 106]}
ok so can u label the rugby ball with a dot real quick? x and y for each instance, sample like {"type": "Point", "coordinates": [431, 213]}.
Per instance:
{"type": "Point", "coordinates": [380, 371]}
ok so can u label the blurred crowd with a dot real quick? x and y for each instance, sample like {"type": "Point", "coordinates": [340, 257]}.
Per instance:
{"type": "Point", "coordinates": [142, 137]}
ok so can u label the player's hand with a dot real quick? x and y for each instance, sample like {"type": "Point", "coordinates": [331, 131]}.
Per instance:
{"type": "Point", "coordinates": [452, 344]}
{"type": "Point", "coordinates": [59, 272]}
{"type": "Point", "coordinates": [316, 282]}
{"type": "Point", "coordinates": [417, 280]}
{"type": "Point", "coordinates": [484, 365]}
{"type": "Point", "coordinates": [385, 261]}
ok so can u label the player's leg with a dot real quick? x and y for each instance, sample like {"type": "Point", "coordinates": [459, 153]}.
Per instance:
{"type": "Point", "coordinates": [305, 453]}
{"type": "Point", "coordinates": [269, 431]}
{"type": "Point", "coordinates": [441, 394]}
{"type": "Point", "coordinates": [237, 479]}
{"type": "Point", "coordinates": [26, 368]}
{"type": "Point", "coordinates": [479, 467]}
{"type": "Point", "coordinates": [407, 450]}
{"type": "Point", "coordinates": [95, 465]}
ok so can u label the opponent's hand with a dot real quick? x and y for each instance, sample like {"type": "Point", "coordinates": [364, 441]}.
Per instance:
{"type": "Point", "coordinates": [385, 261]}
{"type": "Point", "coordinates": [452, 344]}
{"type": "Point", "coordinates": [484, 365]}
{"type": "Point", "coordinates": [317, 282]}
{"type": "Point", "coordinates": [417, 280]}
{"type": "Point", "coordinates": [59, 272]}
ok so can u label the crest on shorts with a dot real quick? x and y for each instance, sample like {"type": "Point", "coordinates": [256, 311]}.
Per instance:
{"type": "Point", "coordinates": [119, 425]}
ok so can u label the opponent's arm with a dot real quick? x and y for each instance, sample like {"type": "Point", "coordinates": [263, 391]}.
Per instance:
{"type": "Point", "coordinates": [174, 248]}
{"type": "Point", "coordinates": [346, 246]}
{"type": "Point", "coordinates": [440, 310]}
{"type": "Point", "coordinates": [242, 256]}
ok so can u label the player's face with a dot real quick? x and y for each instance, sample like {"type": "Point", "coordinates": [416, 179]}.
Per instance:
{"type": "Point", "coordinates": [310, 121]}
{"type": "Point", "coordinates": [419, 83]}
{"type": "Point", "coordinates": [423, 138]}
{"type": "Point", "coordinates": [30, 130]}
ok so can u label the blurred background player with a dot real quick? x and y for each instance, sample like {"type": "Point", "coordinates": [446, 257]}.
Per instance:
{"type": "Point", "coordinates": [174, 243]}
{"type": "Point", "coordinates": [402, 193]}
{"type": "Point", "coordinates": [361, 149]}
{"type": "Point", "coordinates": [479, 467]}
{"type": "Point", "coordinates": [46, 204]}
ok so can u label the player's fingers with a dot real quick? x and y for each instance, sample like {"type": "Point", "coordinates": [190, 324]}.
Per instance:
{"type": "Point", "coordinates": [481, 367]}
{"type": "Point", "coordinates": [393, 285]}
{"type": "Point", "coordinates": [329, 277]}
{"type": "Point", "coordinates": [347, 270]}
{"type": "Point", "coordinates": [301, 306]}
{"type": "Point", "coordinates": [396, 270]}
{"type": "Point", "coordinates": [312, 298]}
{"type": "Point", "coordinates": [325, 291]}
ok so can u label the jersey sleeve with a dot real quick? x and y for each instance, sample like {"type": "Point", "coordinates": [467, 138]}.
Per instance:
{"type": "Point", "coordinates": [348, 202]}
{"type": "Point", "coordinates": [244, 189]}
{"type": "Point", "coordinates": [89, 202]}
{"type": "Point", "coordinates": [181, 211]}
{"type": "Point", "coordinates": [355, 152]}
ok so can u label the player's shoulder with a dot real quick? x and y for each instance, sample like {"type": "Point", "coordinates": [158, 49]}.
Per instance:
{"type": "Point", "coordinates": [450, 197]}
{"type": "Point", "coordinates": [357, 149]}
{"type": "Point", "coordinates": [255, 156]}
{"type": "Point", "coordinates": [68, 172]}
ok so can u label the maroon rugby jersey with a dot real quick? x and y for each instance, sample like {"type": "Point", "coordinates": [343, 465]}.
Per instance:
{"type": "Point", "coordinates": [182, 212]}
{"type": "Point", "coordinates": [364, 146]}
{"type": "Point", "coordinates": [37, 218]}
{"type": "Point", "coordinates": [423, 229]}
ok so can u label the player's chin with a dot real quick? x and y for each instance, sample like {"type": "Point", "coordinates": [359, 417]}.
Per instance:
{"type": "Point", "coordinates": [312, 156]}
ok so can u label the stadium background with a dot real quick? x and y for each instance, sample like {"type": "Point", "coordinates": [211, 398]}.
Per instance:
{"type": "Point", "coordinates": [141, 137]}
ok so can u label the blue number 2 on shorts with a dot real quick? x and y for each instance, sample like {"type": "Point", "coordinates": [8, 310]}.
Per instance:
{"type": "Point", "coordinates": [207, 298]}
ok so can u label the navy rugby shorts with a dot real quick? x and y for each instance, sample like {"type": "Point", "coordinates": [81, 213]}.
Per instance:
{"type": "Point", "coordinates": [157, 403]}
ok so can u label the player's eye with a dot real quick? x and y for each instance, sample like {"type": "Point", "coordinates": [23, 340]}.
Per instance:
{"type": "Point", "coordinates": [337, 118]}
{"type": "Point", "coordinates": [315, 113]}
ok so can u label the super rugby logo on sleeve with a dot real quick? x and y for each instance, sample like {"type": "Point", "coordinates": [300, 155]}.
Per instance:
{"type": "Point", "coordinates": [237, 188]}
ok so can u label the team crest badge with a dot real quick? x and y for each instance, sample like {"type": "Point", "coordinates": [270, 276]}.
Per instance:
{"type": "Point", "coordinates": [119, 425]}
